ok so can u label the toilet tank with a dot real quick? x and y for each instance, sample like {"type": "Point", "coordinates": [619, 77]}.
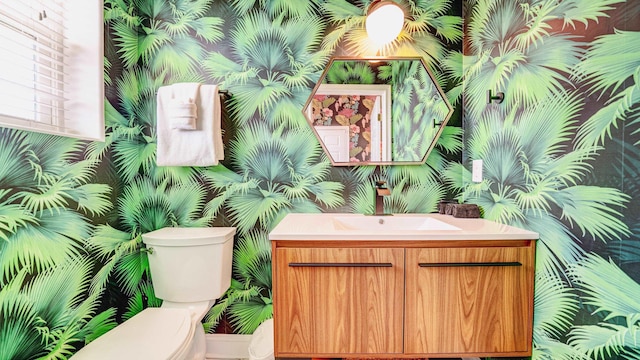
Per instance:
{"type": "Point", "coordinates": [190, 264]}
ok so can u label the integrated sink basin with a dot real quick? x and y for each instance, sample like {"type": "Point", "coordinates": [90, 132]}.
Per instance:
{"type": "Point", "coordinates": [395, 223]}
{"type": "Point", "coordinates": [343, 227]}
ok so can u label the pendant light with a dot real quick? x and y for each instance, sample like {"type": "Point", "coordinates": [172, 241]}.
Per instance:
{"type": "Point", "coordinates": [384, 21]}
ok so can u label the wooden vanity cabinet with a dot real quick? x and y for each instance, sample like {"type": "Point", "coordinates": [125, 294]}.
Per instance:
{"type": "Point", "coordinates": [338, 301]}
{"type": "Point", "coordinates": [471, 301]}
{"type": "Point", "coordinates": [403, 299]}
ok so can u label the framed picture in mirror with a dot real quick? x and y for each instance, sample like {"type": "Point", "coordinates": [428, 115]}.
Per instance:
{"type": "Point", "coordinates": [353, 121]}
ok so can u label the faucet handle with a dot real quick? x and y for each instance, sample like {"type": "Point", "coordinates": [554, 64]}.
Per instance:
{"type": "Point", "coordinates": [381, 189]}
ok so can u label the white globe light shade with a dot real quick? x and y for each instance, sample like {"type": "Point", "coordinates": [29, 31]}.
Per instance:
{"type": "Point", "coordinates": [384, 23]}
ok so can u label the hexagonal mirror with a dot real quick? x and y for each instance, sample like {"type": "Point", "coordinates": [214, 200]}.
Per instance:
{"type": "Point", "coordinates": [377, 111]}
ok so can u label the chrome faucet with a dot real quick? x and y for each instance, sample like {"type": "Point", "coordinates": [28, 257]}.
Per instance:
{"type": "Point", "coordinates": [381, 191]}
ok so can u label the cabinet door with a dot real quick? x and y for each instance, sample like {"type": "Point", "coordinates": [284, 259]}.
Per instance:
{"type": "Point", "coordinates": [338, 301]}
{"type": "Point", "coordinates": [469, 301]}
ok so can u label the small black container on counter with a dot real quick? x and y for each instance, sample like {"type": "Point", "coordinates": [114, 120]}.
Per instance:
{"type": "Point", "coordinates": [451, 207]}
{"type": "Point", "coordinates": [465, 211]}
{"type": "Point", "coordinates": [442, 206]}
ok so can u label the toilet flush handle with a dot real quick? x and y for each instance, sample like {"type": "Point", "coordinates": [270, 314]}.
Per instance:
{"type": "Point", "coordinates": [147, 250]}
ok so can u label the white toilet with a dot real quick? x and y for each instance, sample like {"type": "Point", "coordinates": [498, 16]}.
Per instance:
{"type": "Point", "coordinates": [261, 344]}
{"type": "Point", "coordinates": [190, 269]}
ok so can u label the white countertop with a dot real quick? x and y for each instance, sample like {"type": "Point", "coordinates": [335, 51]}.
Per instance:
{"type": "Point", "coordinates": [336, 226]}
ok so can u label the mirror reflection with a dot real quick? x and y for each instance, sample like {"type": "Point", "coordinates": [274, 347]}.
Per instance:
{"type": "Point", "coordinates": [377, 111]}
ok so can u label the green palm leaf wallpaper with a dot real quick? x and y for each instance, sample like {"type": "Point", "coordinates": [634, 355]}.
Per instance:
{"type": "Point", "coordinates": [560, 152]}
{"type": "Point", "coordinates": [555, 155]}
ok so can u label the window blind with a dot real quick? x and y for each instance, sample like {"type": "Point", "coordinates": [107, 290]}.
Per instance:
{"type": "Point", "coordinates": [51, 67]}
{"type": "Point", "coordinates": [32, 65]}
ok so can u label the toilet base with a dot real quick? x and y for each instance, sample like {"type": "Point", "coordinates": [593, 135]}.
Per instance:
{"type": "Point", "coordinates": [198, 346]}
{"type": "Point", "coordinates": [227, 346]}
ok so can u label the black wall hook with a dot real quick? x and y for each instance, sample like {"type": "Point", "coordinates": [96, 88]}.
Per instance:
{"type": "Point", "coordinates": [499, 97]}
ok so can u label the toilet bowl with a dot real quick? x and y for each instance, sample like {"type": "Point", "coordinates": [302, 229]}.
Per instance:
{"type": "Point", "coordinates": [190, 268]}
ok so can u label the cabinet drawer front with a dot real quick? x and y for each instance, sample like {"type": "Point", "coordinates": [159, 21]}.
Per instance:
{"type": "Point", "coordinates": [338, 301]}
{"type": "Point", "coordinates": [469, 300]}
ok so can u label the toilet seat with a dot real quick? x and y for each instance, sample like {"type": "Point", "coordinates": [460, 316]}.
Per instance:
{"type": "Point", "coordinates": [154, 333]}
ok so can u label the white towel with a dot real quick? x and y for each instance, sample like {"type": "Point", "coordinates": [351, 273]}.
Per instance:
{"type": "Point", "coordinates": [183, 111]}
{"type": "Point", "coordinates": [199, 147]}
{"type": "Point", "coordinates": [183, 116]}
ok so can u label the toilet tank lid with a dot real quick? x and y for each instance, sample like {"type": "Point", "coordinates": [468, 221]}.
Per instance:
{"type": "Point", "coordinates": [186, 236]}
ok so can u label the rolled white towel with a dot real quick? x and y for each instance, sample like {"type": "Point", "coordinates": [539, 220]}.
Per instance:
{"type": "Point", "coordinates": [183, 115]}
{"type": "Point", "coordinates": [183, 108]}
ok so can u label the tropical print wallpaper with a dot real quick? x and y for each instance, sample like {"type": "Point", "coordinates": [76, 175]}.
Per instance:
{"type": "Point", "coordinates": [561, 158]}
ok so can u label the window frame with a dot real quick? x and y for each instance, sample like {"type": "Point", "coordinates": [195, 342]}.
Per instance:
{"type": "Point", "coordinates": [82, 94]}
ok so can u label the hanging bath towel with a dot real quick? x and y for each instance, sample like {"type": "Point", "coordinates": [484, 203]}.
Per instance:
{"type": "Point", "coordinates": [197, 146]}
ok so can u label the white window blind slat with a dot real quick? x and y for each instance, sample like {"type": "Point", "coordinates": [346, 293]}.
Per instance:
{"type": "Point", "coordinates": [36, 10]}
{"type": "Point", "coordinates": [49, 115]}
{"type": "Point", "coordinates": [44, 42]}
{"type": "Point", "coordinates": [22, 62]}
{"type": "Point", "coordinates": [47, 84]}
{"type": "Point", "coordinates": [26, 41]}
{"type": "Point", "coordinates": [5, 87]}
{"type": "Point", "coordinates": [46, 24]}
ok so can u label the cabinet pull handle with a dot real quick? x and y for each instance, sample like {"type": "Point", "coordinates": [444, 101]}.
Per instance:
{"type": "Point", "coordinates": [470, 264]}
{"type": "Point", "coordinates": [340, 264]}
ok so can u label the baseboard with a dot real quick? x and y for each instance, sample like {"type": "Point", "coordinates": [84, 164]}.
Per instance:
{"type": "Point", "coordinates": [234, 346]}
{"type": "Point", "coordinates": [227, 346]}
